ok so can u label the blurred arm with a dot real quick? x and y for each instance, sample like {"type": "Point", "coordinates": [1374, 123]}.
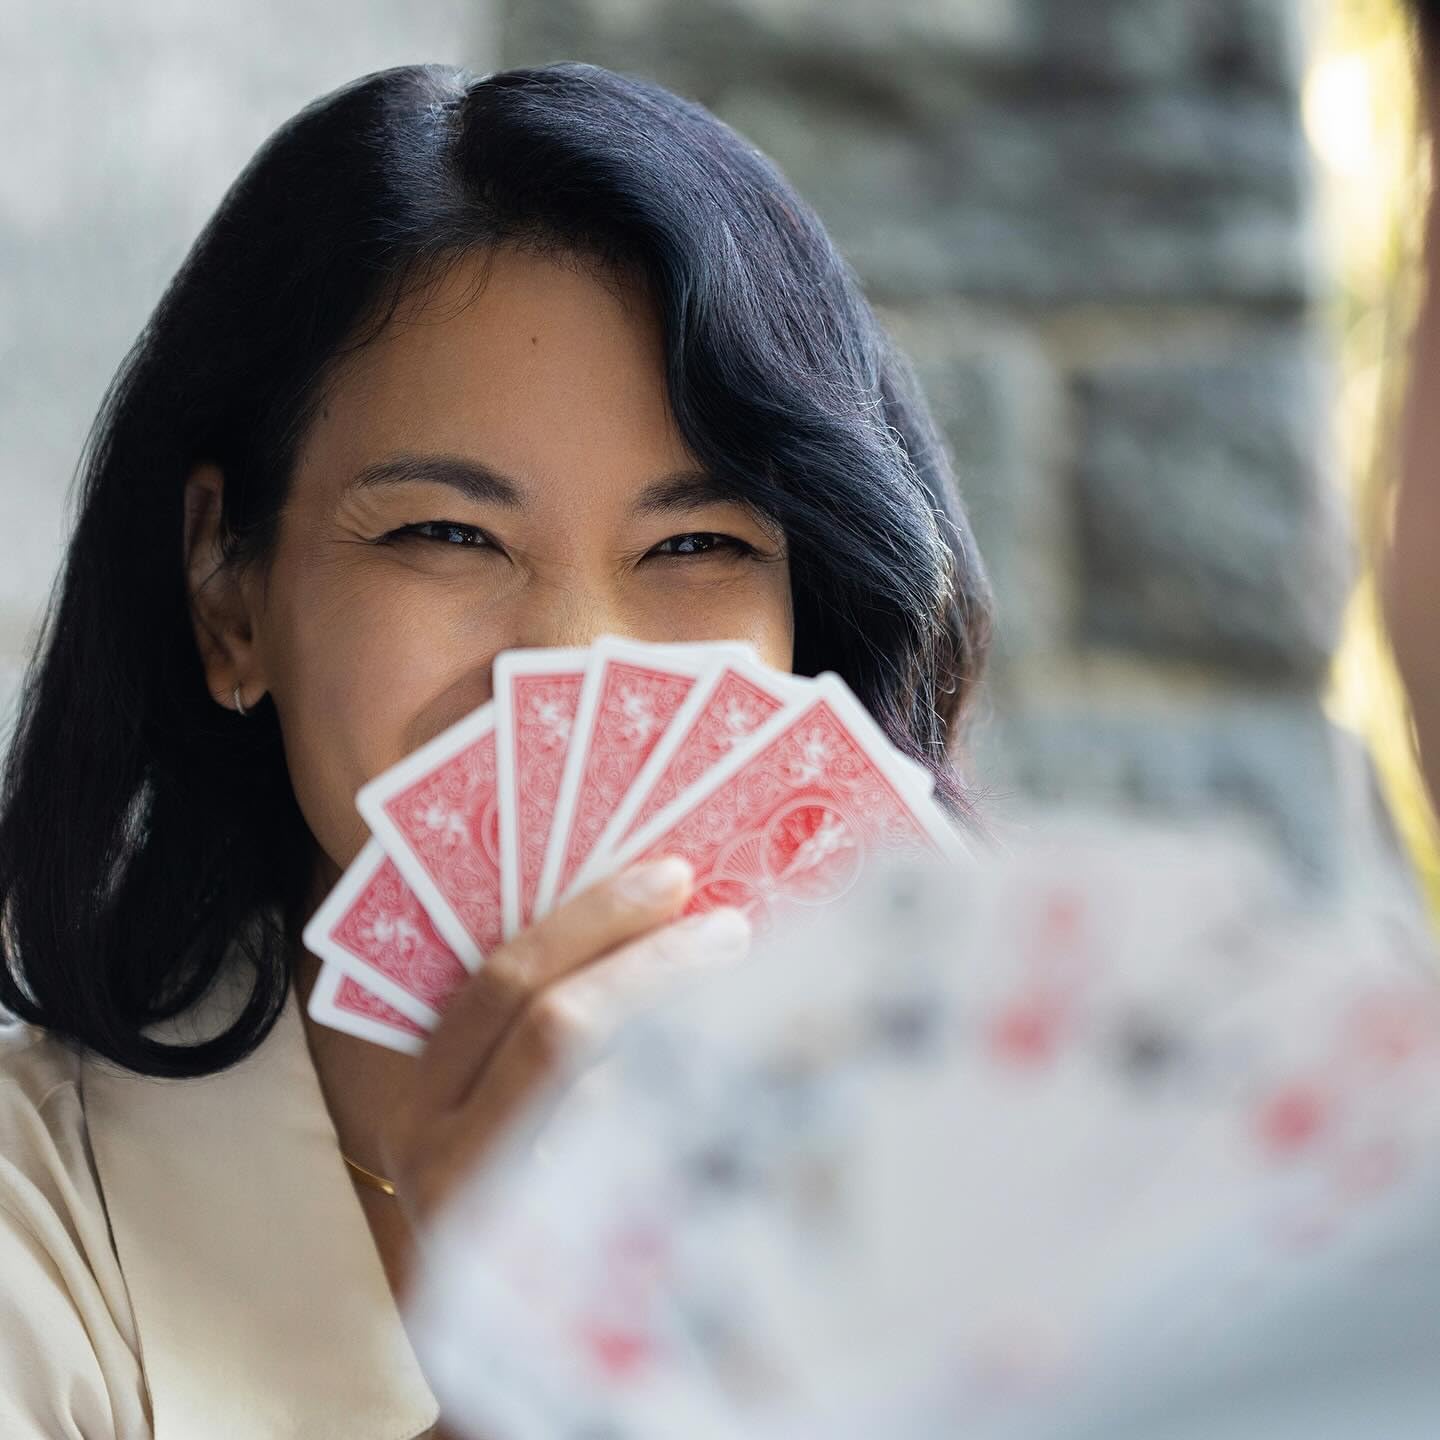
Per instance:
{"type": "Point", "coordinates": [1411, 573]}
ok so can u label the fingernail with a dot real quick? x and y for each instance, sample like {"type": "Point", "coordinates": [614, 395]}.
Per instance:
{"type": "Point", "coordinates": [658, 880]}
{"type": "Point", "coordinates": [723, 931]}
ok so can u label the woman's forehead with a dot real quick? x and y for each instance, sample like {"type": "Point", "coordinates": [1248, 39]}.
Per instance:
{"type": "Point", "coordinates": [529, 362]}
{"type": "Point", "coordinates": [507, 313]}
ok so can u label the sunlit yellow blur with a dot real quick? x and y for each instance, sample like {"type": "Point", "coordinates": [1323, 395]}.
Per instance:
{"type": "Point", "coordinates": [1359, 114]}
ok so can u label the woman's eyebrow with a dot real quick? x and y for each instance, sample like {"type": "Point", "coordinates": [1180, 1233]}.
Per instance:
{"type": "Point", "coordinates": [694, 489]}
{"type": "Point", "coordinates": [684, 490]}
{"type": "Point", "coordinates": [475, 480]}
{"type": "Point", "coordinates": [481, 483]}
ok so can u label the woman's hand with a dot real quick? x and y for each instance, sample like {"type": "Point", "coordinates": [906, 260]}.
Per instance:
{"type": "Point", "coordinates": [536, 1001]}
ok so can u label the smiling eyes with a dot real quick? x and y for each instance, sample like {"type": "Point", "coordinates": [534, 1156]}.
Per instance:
{"type": "Point", "coordinates": [701, 542]}
{"type": "Point", "coordinates": [450, 532]}
{"type": "Point", "coordinates": [453, 533]}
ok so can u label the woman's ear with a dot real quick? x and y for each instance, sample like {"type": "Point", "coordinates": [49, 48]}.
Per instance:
{"type": "Point", "coordinates": [219, 610]}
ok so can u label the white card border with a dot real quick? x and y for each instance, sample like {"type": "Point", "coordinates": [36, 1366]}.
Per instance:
{"type": "Point", "coordinates": [317, 939]}
{"type": "Point", "coordinates": [370, 801]}
{"type": "Point", "coordinates": [322, 1008]}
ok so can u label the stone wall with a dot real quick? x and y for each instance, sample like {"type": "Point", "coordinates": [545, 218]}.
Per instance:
{"type": "Point", "coordinates": [1092, 227]}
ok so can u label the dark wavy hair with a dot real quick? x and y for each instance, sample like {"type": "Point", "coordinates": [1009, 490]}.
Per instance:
{"type": "Point", "coordinates": [1427, 15]}
{"type": "Point", "coordinates": [146, 829]}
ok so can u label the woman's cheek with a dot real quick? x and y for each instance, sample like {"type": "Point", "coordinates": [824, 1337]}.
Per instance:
{"type": "Point", "coordinates": [754, 606]}
{"type": "Point", "coordinates": [351, 693]}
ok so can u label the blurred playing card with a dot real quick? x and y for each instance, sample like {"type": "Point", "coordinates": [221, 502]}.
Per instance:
{"type": "Point", "coordinates": [949, 1158]}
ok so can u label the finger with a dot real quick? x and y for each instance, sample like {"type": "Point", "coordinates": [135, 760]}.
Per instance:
{"type": "Point", "coordinates": [528, 1061]}
{"type": "Point", "coordinates": [566, 1030]}
{"type": "Point", "coordinates": [567, 1026]}
{"type": "Point", "coordinates": [607, 915]}
{"type": "Point", "coordinates": [653, 963]}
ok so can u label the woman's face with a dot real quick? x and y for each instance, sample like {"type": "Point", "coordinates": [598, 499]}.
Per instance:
{"type": "Point", "coordinates": [499, 473]}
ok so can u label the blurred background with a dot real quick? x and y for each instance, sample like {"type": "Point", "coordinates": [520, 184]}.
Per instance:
{"type": "Point", "coordinates": [1148, 255]}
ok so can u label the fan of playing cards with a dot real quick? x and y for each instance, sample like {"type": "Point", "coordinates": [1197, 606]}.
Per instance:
{"type": "Point", "coordinates": [1107, 1140]}
{"type": "Point", "coordinates": [776, 788]}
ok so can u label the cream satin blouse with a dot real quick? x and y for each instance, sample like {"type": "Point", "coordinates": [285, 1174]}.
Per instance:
{"type": "Point", "coordinates": [187, 1259]}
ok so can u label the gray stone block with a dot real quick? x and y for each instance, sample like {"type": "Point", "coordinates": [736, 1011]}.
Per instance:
{"type": "Point", "coordinates": [1000, 407]}
{"type": "Point", "coordinates": [1042, 198]}
{"type": "Point", "coordinates": [1268, 761]}
{"type": "Point", "coordinates": [714, 42]}
{"type": "Point", "coordinates": [1209, 527]}
{"type": "Point", "coordinates": [1254, 45]}
{"type": "Point", "coordinates": [1042, 154]}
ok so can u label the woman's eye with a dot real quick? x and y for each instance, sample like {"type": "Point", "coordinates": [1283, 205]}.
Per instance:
{"type": "Point", "coordinates": [442, 532]}
{"type": "Point", "coordinates": [701, 542]}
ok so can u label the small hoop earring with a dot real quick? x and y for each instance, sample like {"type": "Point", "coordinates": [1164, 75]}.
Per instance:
{"type": "Point", "coordinates": [239, 705]}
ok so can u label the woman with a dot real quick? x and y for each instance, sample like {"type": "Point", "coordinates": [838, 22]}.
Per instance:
{"type": "Point", "coordinates": [458, 365]}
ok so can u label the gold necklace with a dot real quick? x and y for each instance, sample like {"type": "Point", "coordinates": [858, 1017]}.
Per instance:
{"type": "Point", "coordinates": [369, 1177]}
